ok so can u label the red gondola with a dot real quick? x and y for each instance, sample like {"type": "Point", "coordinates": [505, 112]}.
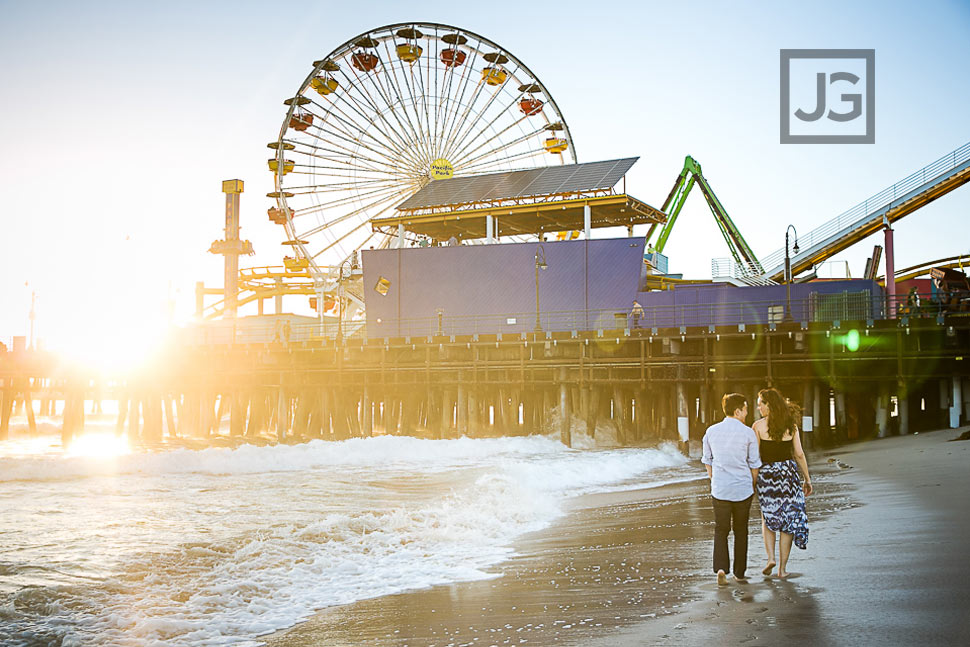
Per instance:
{"type": "Point", "coordinates": [453, 57]}
{"type": "Point", "coordinates": [364, 61]}
{"type": "Point", "coordinates": [530, 106]}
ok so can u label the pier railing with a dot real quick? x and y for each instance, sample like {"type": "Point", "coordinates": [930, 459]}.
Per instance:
{"type": "Point", "coordinates": [828, 308]}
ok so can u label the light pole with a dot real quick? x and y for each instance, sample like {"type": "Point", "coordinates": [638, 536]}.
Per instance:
{"type": "Point", "coordinates": [540, 265]}
{"type": "Point", "coordinates": [788, 276]}
{"type": "Point", "coordinates": [341, 297]}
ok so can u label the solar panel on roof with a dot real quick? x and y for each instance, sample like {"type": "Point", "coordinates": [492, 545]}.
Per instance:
{"type": "Point", "coordinates": [517, 184]}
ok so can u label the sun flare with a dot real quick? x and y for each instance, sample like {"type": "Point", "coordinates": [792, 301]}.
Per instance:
{"type": "Point", "coordinates": [99, 445]}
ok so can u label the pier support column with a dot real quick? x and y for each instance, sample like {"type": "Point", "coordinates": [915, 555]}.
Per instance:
{"type": "Point", "coordinates": [565, 434]}
{"type": "Point", "coordinates": [448, 398]}
{"type": "Point", "coordinates": [461, 418]}
{"type": "Point", "coordinates": [282, 415]}
{"type": "Point", "coordinates": [807, 422]}
{"type": "Point", "coordinates": [902, 401]}
{"type": "Point", "coordinates": [6, 409]}
{"type": "Point", "coordinates": [620, 415]}
{"type": "Point", "coordinates": [882, 410]}
{"type": "Point", "coordinates": [473, 427]}
{"type": "Point", "coordinates": [683, 422]}
{"type": "Point", "coordinates": [890, 271]}
{"type": "Point", "coordinates": [170, 417]}
{"type": "Point", "coordinates": [956, 402]}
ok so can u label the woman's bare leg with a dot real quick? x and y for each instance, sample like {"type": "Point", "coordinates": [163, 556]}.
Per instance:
{"type": "Point", "coordinates": [769, 537]}
{"type": "Point", "coordinates": [784, 543]}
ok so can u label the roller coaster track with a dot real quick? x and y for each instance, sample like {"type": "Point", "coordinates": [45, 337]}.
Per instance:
{"type": "Point", "coordinates": [889, 205]}
{"type": "Point", "coordinates": [922, 269]}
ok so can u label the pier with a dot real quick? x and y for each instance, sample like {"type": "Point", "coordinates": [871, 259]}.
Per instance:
{"type": "Point", "coordinates": [852, 379]}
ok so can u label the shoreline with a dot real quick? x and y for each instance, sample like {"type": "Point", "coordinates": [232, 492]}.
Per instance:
{"type": "Point", "coordinates": [632, 567]}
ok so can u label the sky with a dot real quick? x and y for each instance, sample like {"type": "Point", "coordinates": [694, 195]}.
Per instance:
{"type": "Point", "coordinates": [119, 121]}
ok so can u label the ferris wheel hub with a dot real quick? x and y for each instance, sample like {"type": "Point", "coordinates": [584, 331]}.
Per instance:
{"type": "Point", "coordinates": [441, 169]}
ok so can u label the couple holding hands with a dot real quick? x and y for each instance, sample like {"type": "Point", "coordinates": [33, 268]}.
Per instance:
{"type": "Point", "coordinates": [767, 459]}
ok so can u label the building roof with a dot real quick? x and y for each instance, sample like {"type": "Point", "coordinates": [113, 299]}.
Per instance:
{"type": "Point", "coordinates": [546, 181]}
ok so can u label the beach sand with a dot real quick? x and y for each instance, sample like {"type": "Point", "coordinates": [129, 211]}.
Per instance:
{"type": "Point", "coordinates": [885, 565]}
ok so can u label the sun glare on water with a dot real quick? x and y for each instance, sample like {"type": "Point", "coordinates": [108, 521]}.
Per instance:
{"type": "Point", "coordinates": [99, 445]}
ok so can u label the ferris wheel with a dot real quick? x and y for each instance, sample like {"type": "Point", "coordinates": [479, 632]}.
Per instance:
{"type": "Point", "coordinates": [388, 112]}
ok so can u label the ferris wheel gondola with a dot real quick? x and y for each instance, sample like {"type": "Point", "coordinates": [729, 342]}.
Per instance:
{"type": "Point", "coordinates": [391, 110]}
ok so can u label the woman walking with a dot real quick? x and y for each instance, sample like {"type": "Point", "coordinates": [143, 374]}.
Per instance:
{"type": "Point", "coordinates": [781, 493]}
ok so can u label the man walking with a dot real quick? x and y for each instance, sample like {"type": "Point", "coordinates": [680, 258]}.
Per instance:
{"type": "Point", "coordinates": [732, 462]}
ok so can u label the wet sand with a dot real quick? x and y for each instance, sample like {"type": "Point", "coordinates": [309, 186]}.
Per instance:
{"type": "Point", "coordinates": [885, 565]}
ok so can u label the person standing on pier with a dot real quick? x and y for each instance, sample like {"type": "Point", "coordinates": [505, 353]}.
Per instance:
{"type": "Point", "coordinates": [732, 462]}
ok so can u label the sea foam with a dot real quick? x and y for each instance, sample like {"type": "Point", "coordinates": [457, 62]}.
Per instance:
{"type": "Point", "coordinates": [219, 546]}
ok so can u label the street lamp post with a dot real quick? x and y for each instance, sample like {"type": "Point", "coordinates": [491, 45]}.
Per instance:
{"type": "Point", "coordinates": [788, 276]}
{"type": "Point", "coordinates": [341, 296]}
{"type": "Point", "coordinates": [540, 265]}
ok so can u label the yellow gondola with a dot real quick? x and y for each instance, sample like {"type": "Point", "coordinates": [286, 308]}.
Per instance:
{"type": "Point", "coordinates": [556, 145]}
{"type": "Point", "coordinates": [274, 165]}
{"type": "Point", "coordinates": [408, 52]}
{"type": "Point", "coordinates": [324, 84]}
{"type": "Point", "coordinates": [494, 75]}
{"type": "Point", "coordinates": [295, 264]}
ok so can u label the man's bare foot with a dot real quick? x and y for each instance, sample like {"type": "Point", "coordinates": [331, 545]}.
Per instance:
{"type": "Point", "coordinates": [740, 580]}
{"type": "Point", "coordinates": [721, 578]}
{"type": "Point", "coordinates": [766, 571]}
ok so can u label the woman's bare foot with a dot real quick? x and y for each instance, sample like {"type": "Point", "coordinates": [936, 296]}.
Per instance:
{"type": "Point", "coordinates": [721, 578]}
{"type": "Point", "coordinates": [783, 576]}
{"type": "Point", "coordinates": [766, 571]}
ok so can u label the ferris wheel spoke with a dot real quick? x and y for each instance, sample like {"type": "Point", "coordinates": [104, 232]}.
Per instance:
{"type": "Point", "coordinates": [360, 104]}
{"type": "Point", "coordinates": [462, 141]}
{"type": "Point", "coordinates": [416, 140]}
{"type": "Point", "coordinates": [422, 96]}
{"type": "Point", "coordinates": [344, 201]}
{"type": "Point", "coordinates": [379, 111]}
{"type": "Point", "coordinates": [458, 122]}
{"type": "Point", "coordinates": [333, 233]}
{"type": "Point", "coordinates": [499, 162]}
{"type": "Point", "coordinates": [356, 161]}
{"type": "Point", "coordinates": [443, 102]}
{"type": "Point", "coordinates": [482, 160]}
{"type": "Point", "coordinates": [463, 158]}
{"type": "Point", "coordinates": [331, 187]}
{"type": "Point", "coordinates": [388, 142]}
{"type": "Point", "coordinates": [422, 138]}
{"type": "Point", "coordinates": [447, 134]}
{"type": "Point", "coordinates": [338, 154]}
{"type": "Point", "coordinates": [349, 233]}
{"type": "Point", "coordinates": [346, 135]}
{"type": "Point", "coordinates": [437, 103]}
{"type": "Point", "coordinates": [391, 74]}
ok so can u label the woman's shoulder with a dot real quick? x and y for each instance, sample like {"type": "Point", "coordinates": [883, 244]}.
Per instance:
{"type": "Point", "coordinates": [760, 425]}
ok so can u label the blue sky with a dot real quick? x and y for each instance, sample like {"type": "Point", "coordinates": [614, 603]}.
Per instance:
{"type": "Point", "coordinates": [120, 120]}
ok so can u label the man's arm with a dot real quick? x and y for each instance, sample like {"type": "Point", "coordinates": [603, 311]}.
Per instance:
{"type": "Point", "coordinates": [754, 458]}
{"type": "Point", "coordinates": [707, 457]}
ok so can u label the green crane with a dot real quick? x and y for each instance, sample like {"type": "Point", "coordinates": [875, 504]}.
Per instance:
{"type": "Point", "coordinates": [675, 202]}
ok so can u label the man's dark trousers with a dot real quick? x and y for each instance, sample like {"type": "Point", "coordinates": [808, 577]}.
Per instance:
{"type": "Point", "coordinates": [726, 514]}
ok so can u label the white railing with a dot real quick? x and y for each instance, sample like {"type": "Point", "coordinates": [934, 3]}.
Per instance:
{"type": "Point", "coordinates": [860, 213]}
{"type": "Point", "coordinates": [745, 272]}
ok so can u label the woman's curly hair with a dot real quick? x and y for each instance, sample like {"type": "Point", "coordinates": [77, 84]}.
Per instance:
{"type": "Point", "coordinates": [782, 415]}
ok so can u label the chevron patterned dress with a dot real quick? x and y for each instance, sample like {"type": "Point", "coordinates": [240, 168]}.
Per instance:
{"type": "Point", "coordinates": [782, 500]}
